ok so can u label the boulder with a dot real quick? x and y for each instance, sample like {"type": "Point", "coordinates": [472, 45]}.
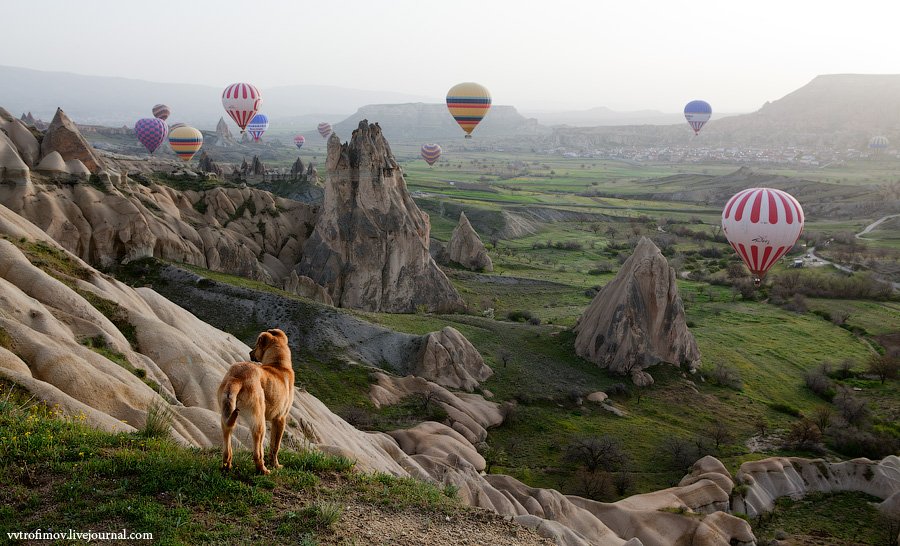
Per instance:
{"type": "Point", "coordinates": [306, 287]}
{"type": "Point", "coordinates": [597, 397]}
{"type": "Point", "coordinates": [77, 168]}
{"type": "Point", "coordinates": [370, 244]}
{"type": "Point", "coordinates": [64, 137]}
{"type": "Point", "coordinates": [637, 320]}
{"type": "Point", "coordinates": [466, 248]}
{"type": "Point", "coordinates": [53, 163]}
{"type": "Point", "coordinates": [449, 359]}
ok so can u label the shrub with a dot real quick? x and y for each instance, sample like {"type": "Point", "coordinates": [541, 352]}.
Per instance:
{"type": "Point", "coordinates": [618, 389]}
{"type": "Point", "coordinates": [726, 376]}
{"type": "Point", "coordinates": [519, 316]}
{"type": "Point", "coordinates": [854, 410]}
{"type": "Point", "coordinates": [819, 385]}
{"type": "Point", "coordinates": [593, 485]}
{"type": "Point", "coordinates": [787, 409]}
{"type": "Point", "coordinates": [680, 453]}
{"type": "Point", "coordinates": [804, 434]}
{"type": "Point", "coordinates": [158, 423]}
{"type": "Point", "coordinates": [534, 321]}
{"type": "Point", "coordinates": [854, 442]}
{"type": "Point", "coordinates": [884, 366]}
{"type": "Point", "coordinates": [596, 453]}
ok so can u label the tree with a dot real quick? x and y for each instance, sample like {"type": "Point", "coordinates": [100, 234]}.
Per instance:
{"type": "Point", "coordinates": [596, 453]}
{"type": "Point", "coordinates": [761, 426]}
{"type": "Point", "coordinates": [503, 355]}
{"type": "Point", "coordinates": [493, 456]}
{"type": "Point", "coordinates": [719, 433]}
{"type": "Point", "coordinates": [680, 452]}
{"type": "Point", "coordinates": [804, 434]}
{"type": "Point", "coordinates": [822, 417]}
{"type": "Point", "coordinates": [884, 366]}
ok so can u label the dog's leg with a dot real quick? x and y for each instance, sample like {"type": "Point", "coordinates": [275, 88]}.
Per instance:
{"type": "Point", "coordinates": [258, 428]}
{"type": "Point", "coordinates": [275, 441]}
{"type": "Point", "coordinates": [226, 444]}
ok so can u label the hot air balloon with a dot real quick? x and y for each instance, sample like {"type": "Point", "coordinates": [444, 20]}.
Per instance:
{"type": "Point", "coordinates": [161, 111]}
{"type": "Point", "coordinates": [879, 143]}
{"type": "Point", "coordinates": [325, 129]}
{"type": "Point", "coordinates": [185, 141]}
{"type": "Point", "coordinates": [241, 101]}
{"type": "Point", "coordinates": [431, 153]}
{"type": "Point", "coordinates": [762, 224]}
{"type": "Point", "coordinates": [151, 132]}
{"type": "Point", "coordinates": [299, 140]}
{"type": "Point", "coordinates": [697, 113]}
{"type": "Point", "coordinates": [258, 125]}
{"type": "Point", "coordinates": [176, 126]}
{"type": "Point", "coordinates": [468, 103]}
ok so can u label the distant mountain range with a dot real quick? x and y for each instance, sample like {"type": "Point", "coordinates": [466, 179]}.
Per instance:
{"type": "Point", "coordinates": [604, 116]}
{"type": "Point", "coordinates": [116, 101]}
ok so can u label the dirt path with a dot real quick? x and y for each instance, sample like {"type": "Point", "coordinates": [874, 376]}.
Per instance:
{"type": "Point", "coordinates": [874, 225]}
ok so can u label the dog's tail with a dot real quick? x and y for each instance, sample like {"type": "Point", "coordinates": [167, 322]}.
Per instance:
{"type": "Point", "coordinates": [229, 403]}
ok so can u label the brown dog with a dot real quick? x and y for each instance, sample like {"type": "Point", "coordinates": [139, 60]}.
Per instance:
{"type": "Point", "coordinates": [264, 391]}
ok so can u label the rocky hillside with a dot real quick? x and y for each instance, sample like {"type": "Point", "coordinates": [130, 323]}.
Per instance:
{"type": "Point", "coordinates": [96, 347]}
{"type": "Point", "coordinates": [89, 204]}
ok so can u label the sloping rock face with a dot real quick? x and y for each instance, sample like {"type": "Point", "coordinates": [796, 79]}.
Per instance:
{"type": "Point", "coordinates": [23, 139]}
{"type": "Point", "coordinates": [466, 248]}
{"type": "Point", "coordinates": [64, 137]}
{"type": "Point", "coordinates": [370, 245]}
{"type": "Point", "coordinates": [768, 479]}
{"type": "Point", "coordinates": [637, 320]}
{"type": "Point", "coordinates": [12, 168]}
{"type": "Point", "coordinates": [449, 359]}
{"type": "Point", "coordinates": [244, 232]}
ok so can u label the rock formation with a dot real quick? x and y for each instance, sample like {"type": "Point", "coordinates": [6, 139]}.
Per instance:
{"type": "Point", "coordinates": [254, 168]}
{"type": "Point", "coordinates": [207, 165]}
{"type": "Point", "coordinates": [219, 229]}
{"type": "Point", "coordinates": [22, 138]}
{"type": "Point", "coordinates": [224, 138]}
{"type": "Point", "coordinates": [297, 168]}
{"type": "Point", "coordinates": [312, 173]}
{"type": "Point", "coordinates": [12, 168]}
{"type": "Point", "coordinates": [63, 136]}
{"type": "Point", "coordinates": [370, 245]}
{"type": "Point", "coordinates": [306, 287]}
{"type": "Point", "coordinates": [637, 320]}
{"type": "Point", "coordinates": [466, 248]}
{"type": "Point", "coordinates": [52, 164]}
{"type": "Point", "coordinates": [448, 359]}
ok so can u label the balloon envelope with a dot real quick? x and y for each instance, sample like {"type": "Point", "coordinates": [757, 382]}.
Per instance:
{"type": "Point", "coordinates": [762, 224]}
{"type": "Point", "coordinates": [879, 143]}
{"type": "Point", "coordinates": [258, 125]}
{"type": "Point", "coordinates": [431, 153]}
{"type": "Point", "coordinates": [697, 113]}
{"type": "Point", "coordinates": [241, 101]}
{"type": "Point", "coordinates": [176, 126]}
{"type": "Point", "coordinates": [151, 132]}
{"type": "Point", "coordinates": [325, 129]}
{"type": "Point", "coordinates": [468, 103]}
{"type": "Point", "coordinates": [161, 111]}
{"type": "Point", "coordinates": [185, 141]}
{"type": "Point", "coordinates": [299, 140]}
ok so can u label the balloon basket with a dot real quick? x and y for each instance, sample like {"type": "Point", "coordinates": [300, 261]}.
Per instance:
{"type": "Point", "coordinates": [468, 136]}
{"type": "Point", "coordinates": [757, 281]}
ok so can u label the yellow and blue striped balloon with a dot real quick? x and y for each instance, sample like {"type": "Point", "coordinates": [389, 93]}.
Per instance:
{"type": "Point", "coordinates": [430, 153]}
{"type": "Point", "coordinates": [185, 141]}
{"type": "Point", "coordinates": [468, 103]}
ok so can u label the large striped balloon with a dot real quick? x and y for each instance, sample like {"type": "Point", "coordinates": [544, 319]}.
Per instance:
{"type": "Point", "coordinates": [697, 113]}
{"type": "Point", "coordinates": [176, 126]}
{"type": "Point", "coordinates": [325, 129]}
{"type": "Point", "coordinates": [431, 153]}
{"type": "Point", "coordinates": [161, 111]}
{"type": "Point", "coordinates": [185, 141]}
{"type": "Point", "coordinates": [762, 225]}
{"type": "Point", "coordinates": [258, 125]}
{"type": "Point", "coordinates": [299, 140]}
{"type": "Point", "coordinates": [879, 143]}
{"type": "Point", "coordinates": [151, 132]}
{"type": "Point", "coordinates": [241, 101]}
{"type": "Point", "coordinates": [468, 103]}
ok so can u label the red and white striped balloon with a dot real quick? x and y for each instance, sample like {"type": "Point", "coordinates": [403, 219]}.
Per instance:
{"type": "Point", "coordinates": [762, 224]}
{"type": "Point", "coordinates": [241, 101]}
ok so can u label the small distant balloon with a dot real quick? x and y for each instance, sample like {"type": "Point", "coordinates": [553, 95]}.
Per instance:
{"type": "Point", "coordinates": [697, 113]}
{"type": "Point", "coordinates": [762, 225]}
{"type": "Point", "coordinates": [431, 153]}
{"type": "Point", "coordinates": [161, 111]}
{"type": "Point", "coordinates": [879, 143]}
{"type": "Point", "coordinates": [468, 103]}
{"type": "Point", "coordinates": [185, 141]}
{"type": "Point", "coordinates": [257, 126]}
{"type": "Point", "coordinates": [176, 126]}
{"type": "Point", "coordinates": [151, 132]}
{"type": "Point", "coordinates": [325, 129]}
{"type": "Point", "coordinates": [242, 102]}
{"type": "Point", "coordinates": [299, 140]}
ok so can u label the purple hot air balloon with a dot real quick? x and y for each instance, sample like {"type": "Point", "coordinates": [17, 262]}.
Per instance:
{"type": "Point", "coordinates": [151, 132]}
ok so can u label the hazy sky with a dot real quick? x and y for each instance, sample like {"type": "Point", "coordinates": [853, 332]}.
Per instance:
{"type": "Point", "coordinates": [626, 54]}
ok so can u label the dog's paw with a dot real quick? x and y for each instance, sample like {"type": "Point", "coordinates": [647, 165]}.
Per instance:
{"type": "Point", "coordinates": [226, 467]}
{"type": "Point", "coordinates": [276, 466]}
{"type": "Point", "coordinates": [264, 471]}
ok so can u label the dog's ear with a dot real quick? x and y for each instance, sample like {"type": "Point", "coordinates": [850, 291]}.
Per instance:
{"type": "Point", "coordinates": [263, 339]}
{"type": "Point", "coordinates": [276, 332]}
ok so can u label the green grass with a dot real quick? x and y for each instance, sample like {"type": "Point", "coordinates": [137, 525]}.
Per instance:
{"type": "Point", "coordinates": [838, 518]}
{"type": "Point", "coordinates": [60, 473]}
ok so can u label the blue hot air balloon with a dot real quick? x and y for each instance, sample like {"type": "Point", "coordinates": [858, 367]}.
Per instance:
{"type": "Point", "coordinates": [697, 113]}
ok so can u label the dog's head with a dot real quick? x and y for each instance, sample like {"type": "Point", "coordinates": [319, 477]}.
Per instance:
{"type": "Point", "coordinates": [265, 341]}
